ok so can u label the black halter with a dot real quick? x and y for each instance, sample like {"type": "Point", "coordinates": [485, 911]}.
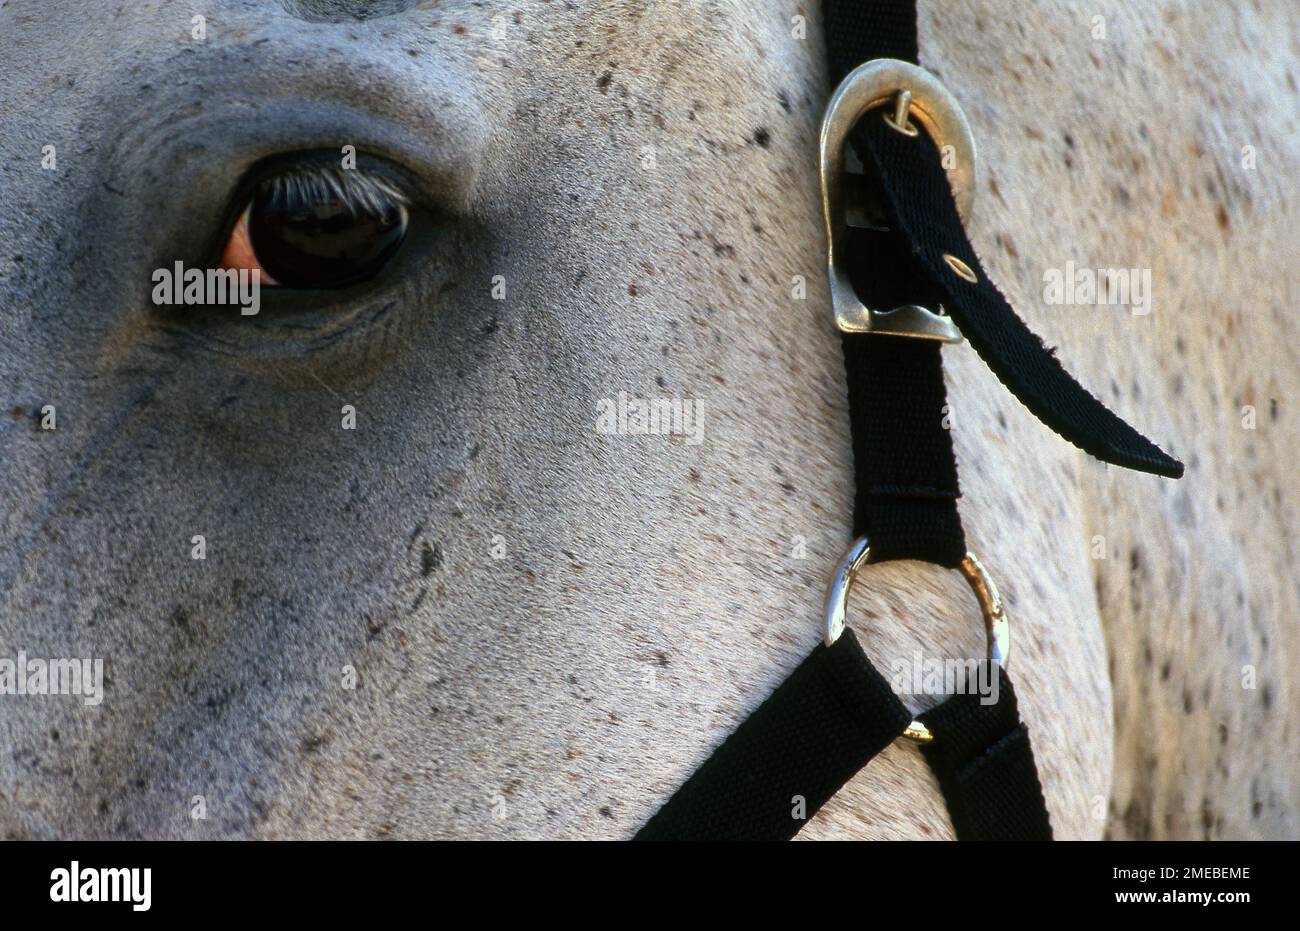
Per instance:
{"type": "Point", "coordinates": [835, 712]}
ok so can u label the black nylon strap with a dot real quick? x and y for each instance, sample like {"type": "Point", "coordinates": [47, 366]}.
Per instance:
{"type": "Point", "coordinates": [985, 766]}
{"type": "Point", "coordinates": [860, 30]}
{"type": "Point", "coordinates": [830, 718]}
{"type": "Point", "coordinates": [906, 475]}
{"type": "Point", "coordinates": [822, 724]}
{"type": "Point", "coordinates": [919, 204]}
{"type": "Point", "coordinates": [917, 199]}
{"type": "Point", "coordinates": [904, 469]}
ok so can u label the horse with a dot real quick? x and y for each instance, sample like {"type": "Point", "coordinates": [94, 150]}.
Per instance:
{"type": "Point", "coordinates": [379, 562]}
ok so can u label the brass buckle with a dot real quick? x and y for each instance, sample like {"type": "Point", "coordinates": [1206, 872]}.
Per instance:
{"type": "Point", "coordinates": [915, 92]}
{"type": "Point", "coordinates": [997, 626]}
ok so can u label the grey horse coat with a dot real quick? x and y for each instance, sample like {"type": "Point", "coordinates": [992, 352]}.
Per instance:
{"type": "Point", "coordinates": [478, 615]}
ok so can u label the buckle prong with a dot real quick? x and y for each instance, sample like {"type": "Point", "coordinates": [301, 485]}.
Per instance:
{"type": "Point", "coordinates": [900, 122]}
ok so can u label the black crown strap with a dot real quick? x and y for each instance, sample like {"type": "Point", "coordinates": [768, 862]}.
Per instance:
{"type": "Point", "coordinates": [904, 469]}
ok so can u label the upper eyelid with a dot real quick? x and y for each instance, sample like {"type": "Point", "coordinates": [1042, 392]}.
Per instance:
{"type": "Point", "coordinates": [359, 190]}
{"type": "Point", "coordinates": [377, 170]}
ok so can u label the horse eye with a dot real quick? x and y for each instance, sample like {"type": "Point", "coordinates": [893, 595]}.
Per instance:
{"type": "Point", "coordinates": [317, 227]}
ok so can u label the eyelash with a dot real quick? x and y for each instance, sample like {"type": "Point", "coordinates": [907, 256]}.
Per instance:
{"type": "Point", "coordinates": [357, 191]}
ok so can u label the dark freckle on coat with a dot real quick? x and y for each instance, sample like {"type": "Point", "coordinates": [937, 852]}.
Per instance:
{"type": "Point", "coordinates": [662, 658]}
{"type": "Point", "coordinates": [606, 813]}
{"type": "Point", "coordinates": [762, 137]}
{"type": "Point", "coordinates": [1272, 408]}
{"type": "Point", "coordinates": [1266, 697]}
{"type": "Point", "coordinates": [603, 81]}
{"type": "Point", "coordinates": [1002, 420]}
{"type": "Point", "coordinates": [1187, 702]}
{"type": "Point", "coordinates": [1137, 819]}
{"type": "Point", "coordinates": [1221, 216]}
{"type": "Point", "coordinates": [1165, 669]}
{"type": "Point", "coordinates": [784, 100]}
{"type": "Point", "coordinates": [459, 30]}
{"type": "Point", "coordinates": [1135, 560]}
{"type": "Point", "coordinates": [430, 558]}
{"type": "Point", "coordinates": [694, 474]}
{"type": "Point", "coordinates": [631, 289]}
{"type": "Point", "coordinates": [1223, 733]}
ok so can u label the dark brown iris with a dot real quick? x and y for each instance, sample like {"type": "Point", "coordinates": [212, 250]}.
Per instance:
{"type": "Point", "coordinates": [324, 235]}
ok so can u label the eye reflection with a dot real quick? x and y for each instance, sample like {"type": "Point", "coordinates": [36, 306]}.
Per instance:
{"type": "Point", "coordinates": [318, 226]}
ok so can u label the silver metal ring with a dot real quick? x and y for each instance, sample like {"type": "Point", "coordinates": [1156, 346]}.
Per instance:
{"type": "Point", "coordinates": [997, 626]}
